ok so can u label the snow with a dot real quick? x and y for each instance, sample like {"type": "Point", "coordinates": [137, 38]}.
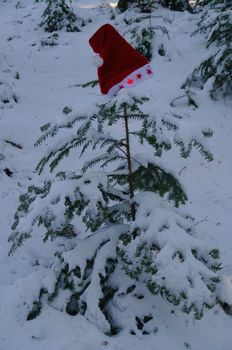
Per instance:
{"type": "Point", "coordinates": [225, 289]}
{"type": "Point", "coordinates": [47, 83]}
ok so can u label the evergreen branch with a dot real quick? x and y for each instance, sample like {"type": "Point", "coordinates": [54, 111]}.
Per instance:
{"type": "Point", "coordinates": [111, 160]}
{"type": "Point", "coordinates": [64, 152]}
{"type": "Point", "coordinates": [205, 153]}
{"type": "Point", "coordinates": [133, 116]}
{"type": "Point", "coordinates": [92, 163]}
{"type": "Point", "coordinates": [169, 124]}
{"type": "Point", "coordinates": [17, 145]}
{"type": "Point", "coordinates": [91, 84]}
{"type": "Point", "coordinates": [185, 151]}
{"type": "Point", "coordinates": [71, 120]}
{"type": "Point", "coordinates": [85, 147]}
{"type": "Point", "coordinates": [43, 162]}
{"type": "Point", "coordinates": [18, 240]}
{"type": "Point", "coordinates": [110, 141]}
{"type": "Point", "coordinates": [207, 132]}
{"type": "Point", "coordinates": [50, 132]}
{"type": "Point", "coordinates": [155, 179]}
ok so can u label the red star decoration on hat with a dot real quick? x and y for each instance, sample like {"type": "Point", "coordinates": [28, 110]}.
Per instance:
{"type": "Point", "coordinates": [149, 71]}
{"type": "Point", "coordinates": [139, 76]}
{"type": "Point", "coordinates": [130, 81]}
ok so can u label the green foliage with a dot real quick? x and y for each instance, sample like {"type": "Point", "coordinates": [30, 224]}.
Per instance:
{"type": "Point", "coordinates": [145, 174]}
{"type": "Point", "coordinates": [154, 178]}
{"type": "Point", "coordinates": [117, 216]}
{"type": "Point", "coordinates": [143, 38]}
{"type": "Point", "coordinates": [17, 238]}
{"type": "Point", "coordinates": [216, 24]}
{"type": "Point", "coordinates": [66, 110]}
{"type": "Point", "coordinates": [165, 255]}
{"type": "Point", "coordinates": [148, 5]}
{"type": "Point", "coordinates": [91, 84]}
{"type": "Point", "coordinates": [143, 29]}
{"type": "Point", "coordinates": [123, 5]}
{"type": "Point", "coordinates": [63, 282]}
{"type": "Point", "coordinates": [187, 98]}
{"type": "Point", "coordinates": [142, 34]}
{"type": "Point", "coordinates": [18, 5]}
{"type": "Point", "coordinates": [17, 76]}
{"type": "Point", "coordinates": [57, 15]}
{"type": "Point", "coordinates": [143, 5]}
{"type": "Point", "coordinates": [35, 311]}
{"type": "Point", "coordinates": [226, 3]}
{"type": "Point", "coordinates": [50, 41]}
{"type": "Point", "coordinates": [177, 5]}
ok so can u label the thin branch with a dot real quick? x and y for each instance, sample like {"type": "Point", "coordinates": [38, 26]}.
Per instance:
{"type": "Point", "coordinates": [130, 174]}
{"type": "Point", "coordinates": [17, 145]}
{"type": "Point", "coordinates": [132, 115]}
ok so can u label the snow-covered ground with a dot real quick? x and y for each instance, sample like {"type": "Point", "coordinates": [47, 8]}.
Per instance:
{"type": "Point", "coordinates": [44, 80]}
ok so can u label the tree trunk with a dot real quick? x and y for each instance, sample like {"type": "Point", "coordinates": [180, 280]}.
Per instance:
{"type": "Point", "coordinates": [130, 173]}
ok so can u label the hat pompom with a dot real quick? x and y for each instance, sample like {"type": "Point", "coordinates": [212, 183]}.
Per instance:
{"type": "Point", "coordinates": [98, 61]}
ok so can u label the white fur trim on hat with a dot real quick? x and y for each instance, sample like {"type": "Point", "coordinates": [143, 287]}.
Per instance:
{"type": "Point", "coordinates": [98, 61]}
{"type": "Point", "coordinates": [143, 73]}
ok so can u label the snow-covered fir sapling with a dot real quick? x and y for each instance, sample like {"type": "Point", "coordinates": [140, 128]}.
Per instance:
{"type": "Point", "coordinates": [122, 216]}
{"type": "Point", "coordinates": [216, 68]}
{"type": "Point", "coordinates": [146, 5]}
{"type": "Point", "coordinates": [57, 15]}
{"type": "Point", "coordinates": [144, 28]}
{"type": "Point", "coordinates": [177, 5]}
{"type": "Point", "coordinates": [139, 25]}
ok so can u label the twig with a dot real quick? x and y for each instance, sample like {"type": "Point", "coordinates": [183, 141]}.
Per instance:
{"type": "Point", "coordinates": [199, 222]}
{"type": "Point", "coordinates": [179, 173]}
{"type": "Point", "coordinates": [13, 144]}
{"type": "Point", "coordinates": [92, 84]}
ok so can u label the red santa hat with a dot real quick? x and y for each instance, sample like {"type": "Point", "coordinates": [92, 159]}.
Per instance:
{"type": "Point", "coordinates": [119, 64]}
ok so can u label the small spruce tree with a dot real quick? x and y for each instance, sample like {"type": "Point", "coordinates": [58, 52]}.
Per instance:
{"type": "Point", "coordinates": [177, 5]}
{"type": "Point", "coordinates": [124, 216]}
{"type": "Point", "coordinates": [216, 24]}
{"type": "Point", "coordinates": [147, 5]}
{"type": "Point", "coordinates": [57, 15]}
{"type": "Point", "coordinates": [142, 33]}
{"type": "Point", "coordinates": [143, 5]}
